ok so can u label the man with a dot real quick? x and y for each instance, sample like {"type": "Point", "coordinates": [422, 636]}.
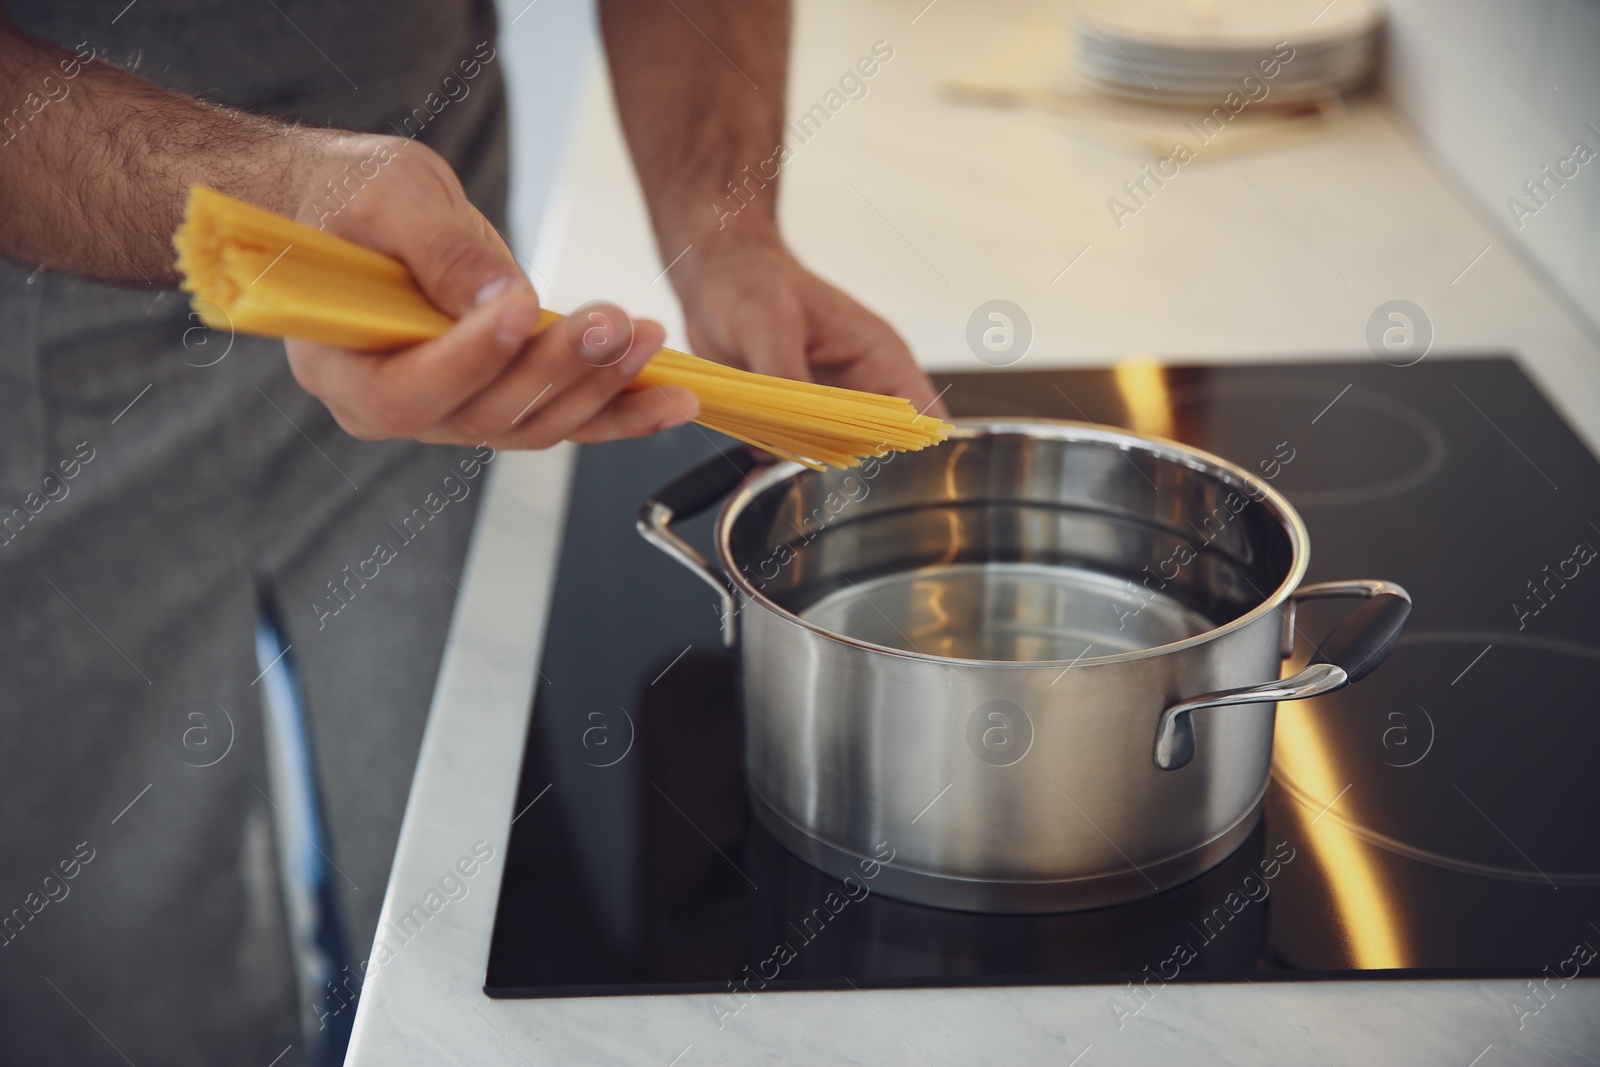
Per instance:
{"type": "Point", "coordinates": [160, 486]}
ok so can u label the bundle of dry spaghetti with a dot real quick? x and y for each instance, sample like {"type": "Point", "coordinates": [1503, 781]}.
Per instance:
{"type": "Point", "coordinates": [253, 271]}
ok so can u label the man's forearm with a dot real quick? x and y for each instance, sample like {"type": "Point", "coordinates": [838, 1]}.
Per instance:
{"type": "Point", "coordinates": [700, 87]}
{"type": "Point", "coordinates": [95, 162]}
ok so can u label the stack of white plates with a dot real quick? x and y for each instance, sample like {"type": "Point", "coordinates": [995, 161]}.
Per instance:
{"type": "Point", "coordinates": [1198, 51]}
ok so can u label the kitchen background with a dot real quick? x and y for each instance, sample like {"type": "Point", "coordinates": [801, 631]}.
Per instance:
{"type": "Point", "coordinates": [1495, 90]}
{"type": "Point", "coordinates": [928, 202]}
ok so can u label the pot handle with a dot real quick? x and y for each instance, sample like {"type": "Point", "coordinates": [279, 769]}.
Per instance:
{"type": "Point", "coordinates": [1348, 654]}
{"type": "Point", "coordinates": [686, 496]}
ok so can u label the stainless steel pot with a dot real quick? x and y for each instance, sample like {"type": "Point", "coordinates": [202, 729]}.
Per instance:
{"type": "Point", "coordinates": [1032, 669]}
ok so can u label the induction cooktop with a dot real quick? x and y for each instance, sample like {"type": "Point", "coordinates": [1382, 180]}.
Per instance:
{"type": "Point", "coordinates": [1435, 820]}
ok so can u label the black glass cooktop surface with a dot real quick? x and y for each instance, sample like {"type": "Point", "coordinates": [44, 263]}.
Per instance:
{"type": "Point", "coordinates": [1437, 819]}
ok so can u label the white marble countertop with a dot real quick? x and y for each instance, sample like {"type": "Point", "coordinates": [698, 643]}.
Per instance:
{"type": "Point", "coordinates": [925, 208]}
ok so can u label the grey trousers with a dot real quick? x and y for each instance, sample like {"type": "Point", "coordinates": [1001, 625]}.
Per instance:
{"type": "Point", "coordinates": [153, 480]}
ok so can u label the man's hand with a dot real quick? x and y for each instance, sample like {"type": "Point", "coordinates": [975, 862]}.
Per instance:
{"type": "Point", "coordinates": [486, 380]}
{"type": "Point", "coordinates": [750, 303]}
{"type": "Point", "coordinates": [105, 167]}
{"type": "Point", "coordinates": [700, 88]}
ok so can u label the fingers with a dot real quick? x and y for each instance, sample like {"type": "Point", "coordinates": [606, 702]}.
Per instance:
{"type": "Point", "coordinates": [463, 265]}
{"type": "Point", "coordinates": [887, 366]}
{"type": "Point", "coordinates": [739, 318]}
{"type": "Point", "coordinates": [478, 384]}
{"type": "Point", "coordinates": [910, 382]}
{"type": "Point", "coordinates": [402, 394]}
{"type": "Point", "coordinates": [766, 312]}
{"type": "Point", "coordinates": [487, 379]}
{"type": "Point", "coordinates": [771, 340]}
{"type": "Point", "coordinates": [858, 350]}
{"type": "Point", "coordinates": [551, 390]}
{"type": "Point", "coordinates": [423, 218]}
{"type": "Point", "coordinates": [639, 414]}
{"type": "Point", "coordinates": [881, 362]}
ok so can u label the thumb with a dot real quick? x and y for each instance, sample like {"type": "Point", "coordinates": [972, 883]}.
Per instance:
{"type": "Point", "coordinates": [463, 263]}
{"type": "Point", "coordinates": [418, 212]}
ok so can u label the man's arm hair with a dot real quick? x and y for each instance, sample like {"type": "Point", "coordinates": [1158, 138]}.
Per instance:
{"type": "Point", "coordinates": [95, 162]}
{"type": "Point", "coordinates": [700, 88]}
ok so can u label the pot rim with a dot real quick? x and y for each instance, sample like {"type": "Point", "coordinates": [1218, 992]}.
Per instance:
{"type": "Point", "coordinates": [1064, 430]}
